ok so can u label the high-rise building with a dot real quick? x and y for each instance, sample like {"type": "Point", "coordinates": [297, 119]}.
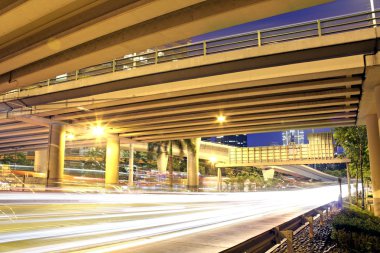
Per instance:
{"type": "Point", "coordinates": [293, 137]}
{"type": "Point", "coordinates": [239, 140]}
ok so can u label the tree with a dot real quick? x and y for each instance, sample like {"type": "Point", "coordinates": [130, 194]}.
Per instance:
{"type": "Point", "coordinates": [18, 158]}
{"type": "Point", "coordinates": [96, 159]}
{"type": "Point", "coordinates": [167, 147]}
{"type": "Point", "coordinates": [355, 144]}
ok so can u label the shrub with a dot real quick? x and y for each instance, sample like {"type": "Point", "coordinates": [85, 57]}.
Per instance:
{"type": "Point", "coordinates": [357, 231]}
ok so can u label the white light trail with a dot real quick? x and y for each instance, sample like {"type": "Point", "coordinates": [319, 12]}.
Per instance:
{"type": "Point", "coordinates": [106, 222]}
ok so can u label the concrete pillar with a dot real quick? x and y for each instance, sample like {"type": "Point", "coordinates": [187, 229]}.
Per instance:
{"type": "Point", "coordinates": [377, 103]}
{"type": "Point", "coordinates": [112, 160]}
{"type": "Point", "coordinates": [40, 161]}
{"type": "Point", "coordinates": [220, 183]}
{"type": "Point", "coordinates": [56, 155]}
{"type": "Point", "coordinates": [131, 162]}
{"type": "Point", "coordinates": [374, 158]}
{"type": "Point", "coordinates": [193, 165]}
{"type": "Point", "coordinates": [162, 162]}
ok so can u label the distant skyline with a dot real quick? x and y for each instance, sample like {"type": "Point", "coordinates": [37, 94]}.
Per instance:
{"type": "Point", "coordinates": [336, 8]}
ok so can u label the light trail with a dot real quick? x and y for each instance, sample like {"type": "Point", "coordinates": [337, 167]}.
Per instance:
{"type": "Point", "coordinates": [113, 222]}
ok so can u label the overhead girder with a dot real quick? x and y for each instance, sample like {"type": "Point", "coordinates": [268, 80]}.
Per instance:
{"type": "Point", "coordinates": [247, 130]}
{"type": "Point", "coordinates": [181, 21]}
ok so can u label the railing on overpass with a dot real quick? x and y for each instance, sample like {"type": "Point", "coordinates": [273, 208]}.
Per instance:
{"type": "Point", "coordinates": [276, 154]}
{"type": "Point", "coordinates": [356, 21]}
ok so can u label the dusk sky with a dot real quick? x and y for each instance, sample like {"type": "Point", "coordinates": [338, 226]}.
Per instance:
{"type": "Point", "coordinates": [335, 8]}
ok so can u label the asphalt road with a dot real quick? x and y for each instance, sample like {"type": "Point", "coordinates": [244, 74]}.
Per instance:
{"type": "Point", "coordinates": [59, 222]}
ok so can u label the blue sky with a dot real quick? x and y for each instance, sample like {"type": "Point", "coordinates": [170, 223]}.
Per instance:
{"type": "Point", "coordinates": [335, 8]}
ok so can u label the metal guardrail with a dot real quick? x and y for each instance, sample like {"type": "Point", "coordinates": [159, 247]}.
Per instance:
{"type": "Point", "coordinates": [269, 240]}
{"type": "Point", "coordinates": [317, 28]}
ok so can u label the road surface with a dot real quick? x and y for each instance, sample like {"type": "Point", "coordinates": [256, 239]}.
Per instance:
{"type": "Point", "coordinates": [60, 222]}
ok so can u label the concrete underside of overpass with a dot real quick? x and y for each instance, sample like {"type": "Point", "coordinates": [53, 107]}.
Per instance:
{"type": "Point", "coordinates": [67, 35]}
{"type": "Point", "coordinates": [305, 171]}
{"type": "Point", "coordinates": [309, 83]}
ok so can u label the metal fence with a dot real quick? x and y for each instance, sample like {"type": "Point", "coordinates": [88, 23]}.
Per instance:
{"type": "Point", "coordinates": [267, 241]}
{"type": "Point", "coordinates": [259, 38]}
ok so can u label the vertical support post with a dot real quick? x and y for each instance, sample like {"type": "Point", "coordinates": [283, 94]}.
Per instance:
{"type": "Point", "coordinates": [113, 65]}
{"type": "Point", "coordinates": [76, 74]}
{"type": "Point", "coordinates": [156, 56]}
{"type": "Point", "coordinates": [311, 226]}
{"type": "Point", "coordinates": [259, 38]}
{"type": "Point", "coordinates": [193, 166]}
{"type": "Point", "coordinates": [48, 82]}
{"type": "Point", "coordinates": [204, 47]}
{"type": "Point", "coordinates": [112, 160]}
{"type": "Point", "coordinates": [23, 182]}
{"type": "Point", "coordinates": [319, 28]}
{"type": "Point", "coordinates": [56, 155]}
{"type": "Point", "coordinates": [374, 158]}
{"type": "Point", "coordinates": [374, 21]}
{"type": "Point", "coordinates": [321, 218]}
{"type": "Point", "coordinates": [40, 161]}
{"type": "Point", "coordinates": [288, 234]}
{"type": "Point", "coordinates": [162, 162]}
{"type": "Point", "coordinates": [131, 162]}
{"type": "Point", "coordinates": [219, 180]}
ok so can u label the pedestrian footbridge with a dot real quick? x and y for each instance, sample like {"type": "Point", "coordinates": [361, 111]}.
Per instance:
{"type": "Point", "coordinates": [290, 159]}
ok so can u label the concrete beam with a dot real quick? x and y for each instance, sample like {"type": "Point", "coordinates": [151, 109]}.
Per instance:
{"type": "Point", "coordinates": [134, 111]}
{"type": "Point", "coordinates": [137, 88]}
{"type": "Point", "coordinates": [215, 125]}
{"type": "Point", "coordinates": [249, 130]}
{"type": "Point", "coordinates": [288, 107]}
{"type": "Point", "coordinates": [184, 23]}
{"type": "Point", "coordinates": [67, 24]}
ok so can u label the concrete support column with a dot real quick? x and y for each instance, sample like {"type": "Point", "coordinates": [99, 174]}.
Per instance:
{"type": "Point", "coordinates": [40, 161]}
{"type": "Point", "coordinates": [112, 160]}
{"type": "Point", "coordinates": [220, 183]}
{"type": "Point", "coordinates": [56, 155]}
{"type": "Point", "coordinates": [131, 162]}
{"type": "Point", "coordinates": [193, 165]}
{"type": "Point", "coordinates": [377, 103]}
{"type": "Point", "coordinates": [374, 158]}
{"type": "Point", "coordinates": [162, 162]}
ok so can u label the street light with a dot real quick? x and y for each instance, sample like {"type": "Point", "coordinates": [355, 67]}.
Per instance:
{"type": "Point", "coordinates": [70, 136]}
{"type": "Point", "coordinates": [221, 118]}
{"type": "Point", "coordinates": [98, 131]}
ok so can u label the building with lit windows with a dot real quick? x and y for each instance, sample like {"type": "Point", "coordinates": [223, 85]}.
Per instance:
{"type": "Point", "coordinates": [239, 140]}
{"type": "Point", "coordinates": [293, 137]}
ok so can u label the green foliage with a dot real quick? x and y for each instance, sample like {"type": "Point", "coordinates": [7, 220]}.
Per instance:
{"type": "Point", "coordinates": [96, 159]}
{"type": "Point", "coordinates": [357, 230]}
{"type": "Point", "coordinates": [238, 176]}
{"type": "Point", "coordinates": [167, 147]}
{"type": "Point", "coordinates": [354, 142]}
{"type": "Point", "coordinates": [336, 173]}
{"type": "Point", "coordinates": [141, 159]}
{"type": "Point", "coordinates": [18, 158]}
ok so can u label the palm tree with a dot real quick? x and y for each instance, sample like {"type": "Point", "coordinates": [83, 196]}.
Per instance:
{"type": "Point", "coordinates": [167, 147]}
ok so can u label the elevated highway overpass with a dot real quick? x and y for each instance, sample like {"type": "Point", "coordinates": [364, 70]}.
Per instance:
{"type": "Point", "coordinates": [314, 74]}
{"type": "Point", "coordinates": [311, 80]}
{"type": "Point", "coordinates": [38, 43]}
